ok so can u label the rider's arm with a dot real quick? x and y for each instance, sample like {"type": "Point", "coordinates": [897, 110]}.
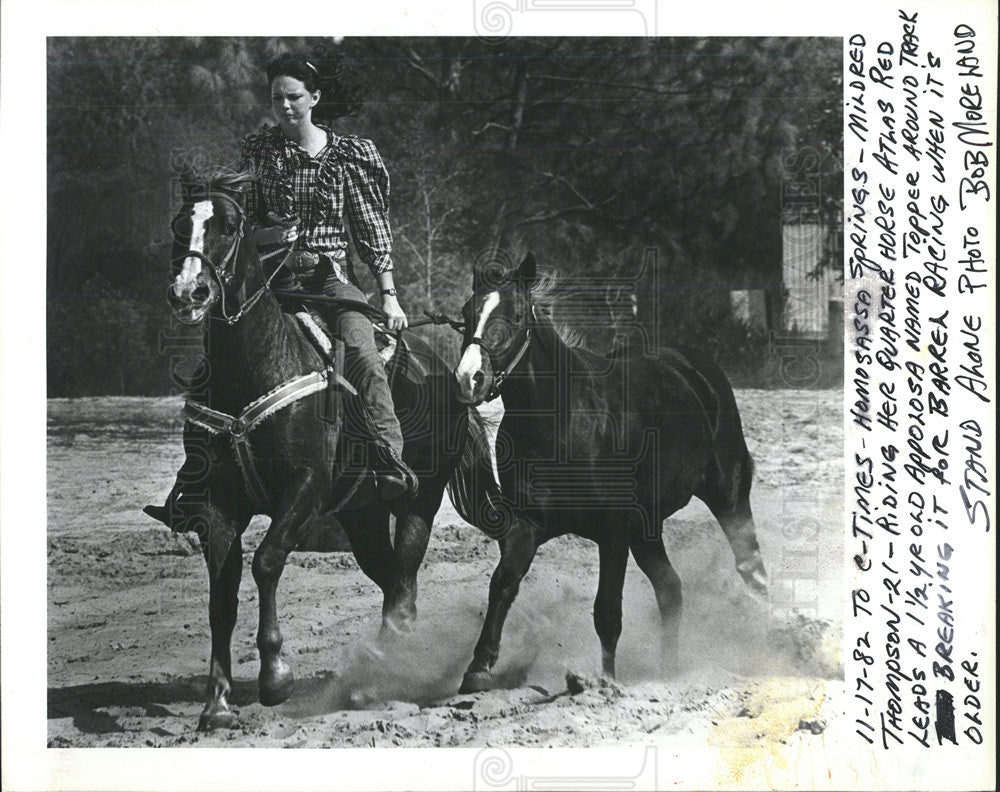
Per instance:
{"type": "Point", "coordinates": [366, 200]}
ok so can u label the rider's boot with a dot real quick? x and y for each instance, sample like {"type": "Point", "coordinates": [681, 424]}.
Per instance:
{"type": "Point", "coordinates": [171, 513]}
{"type": "Point", "coordinates": [365, 370]}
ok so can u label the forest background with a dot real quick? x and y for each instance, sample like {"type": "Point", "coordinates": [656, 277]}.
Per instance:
{"type": "Point", "coordinates": [664, 168]}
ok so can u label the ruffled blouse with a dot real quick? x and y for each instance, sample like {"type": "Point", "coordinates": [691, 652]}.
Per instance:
{"type": "Point", "coordinates": [346, 178]}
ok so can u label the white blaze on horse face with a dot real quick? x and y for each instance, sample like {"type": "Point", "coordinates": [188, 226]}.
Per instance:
{"type": "Point", "coordinates": [472, 361]}
{"type": "Point", "coordinates": [186, 280]}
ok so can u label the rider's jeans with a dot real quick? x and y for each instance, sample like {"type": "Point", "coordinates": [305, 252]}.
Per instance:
{"type": "Point", "coordinates": [363, 367]}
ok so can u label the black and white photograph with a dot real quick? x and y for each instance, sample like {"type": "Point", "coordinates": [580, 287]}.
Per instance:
{"type": "Point", "coordinates": [500, 387]}
{"type": "Point", "coordinates": [632, 246]}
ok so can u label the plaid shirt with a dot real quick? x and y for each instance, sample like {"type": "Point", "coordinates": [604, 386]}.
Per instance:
{"type": "Point", "coordinates": [347, 175]}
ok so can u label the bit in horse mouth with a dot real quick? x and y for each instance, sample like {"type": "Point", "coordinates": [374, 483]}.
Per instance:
{"type": "Point", "coordinates": [191, 313]}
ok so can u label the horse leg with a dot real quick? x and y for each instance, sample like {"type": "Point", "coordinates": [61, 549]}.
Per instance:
{"type": "Point", "coordinates": [368, 530]}
{"type": "Point", "coordinates": [608, 603]}
{"type": "Point", "coordinates": [275, 680]}
{"type": "Point", "coordinates": [736, 519]}
{"type": "Point", "coordinates": [738, 526]}
{"type": "Point", "coordinates": [413, 532]}
{"type": "Point", "coordinates": [517, 550]}
{"type": "Point", "coordinates": [224, 556]}
{"type": "Point", "coordinates": [410, 543]}
{"type": "Point", "coordinates": [652, 559]}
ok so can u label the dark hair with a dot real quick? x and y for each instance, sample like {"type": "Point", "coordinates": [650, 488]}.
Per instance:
{"type": "Point", "coordinates": [327, 74]}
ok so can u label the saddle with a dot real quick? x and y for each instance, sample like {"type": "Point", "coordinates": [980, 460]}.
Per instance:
{"type": "Point", "coordinates": [348, 433]}
{"type": "Point", "coordinates": [394, 350]}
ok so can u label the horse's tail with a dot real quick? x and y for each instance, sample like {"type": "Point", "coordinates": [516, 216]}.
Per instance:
{"type": "Point", "coordinates": [473, 487]}
{"type": "Point", "coordinates": [713, 388]}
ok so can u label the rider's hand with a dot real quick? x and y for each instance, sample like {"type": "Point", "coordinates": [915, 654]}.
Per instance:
{"type": "Point", "coordinates": [280, 233]}
{"type": "Point", "coordinates": [395, 316]}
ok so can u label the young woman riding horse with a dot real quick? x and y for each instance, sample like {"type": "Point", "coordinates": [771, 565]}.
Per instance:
{"type": "Point", "coordinates": [258, 439]}
{"type": "Point", "coordinates": [309, 180]}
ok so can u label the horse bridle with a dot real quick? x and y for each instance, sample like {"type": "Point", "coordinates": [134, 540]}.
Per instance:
{"type": "Point", "coordinates": [219, 272]}
{"type": "Point", "coordinates": [500, 373]}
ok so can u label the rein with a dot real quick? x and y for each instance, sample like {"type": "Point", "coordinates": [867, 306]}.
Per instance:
{"type": "Point", "coordinates": [251, 301]}
{"type": "Point", "coordinates": [219, 274]}
{"type": "Point", "coordinates": [377, 314]}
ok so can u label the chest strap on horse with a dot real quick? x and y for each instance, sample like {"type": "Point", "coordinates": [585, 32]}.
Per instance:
{"type": "Point", "coordinates": [238, 428]}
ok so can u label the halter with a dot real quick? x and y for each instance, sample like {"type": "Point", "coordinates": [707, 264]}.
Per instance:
{"type": "Point", "coordinates": [501, 373]}
{"type": "Point", "coordinates": [219, 272]}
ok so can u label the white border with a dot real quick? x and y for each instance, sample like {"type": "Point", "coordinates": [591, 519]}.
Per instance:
{"type": "Point", "coordinates": [25, 24]}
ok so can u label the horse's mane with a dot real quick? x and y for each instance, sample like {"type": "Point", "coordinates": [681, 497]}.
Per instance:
{"type": "Point", "coordinates": [473, 488]}
{"type": "Point", "coordinates": [228, 179]}
{"type": "Point", "coordinates": [545, 297]}
{"type": "Point", "coordinates": [197, 184]}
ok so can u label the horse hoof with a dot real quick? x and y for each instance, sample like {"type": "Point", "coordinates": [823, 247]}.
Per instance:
{"type": "Point", "coordinates": [760, 592]}
{"type": "Point", "coordinates": [363, 698]}
{"type": "Point", "coordinates": [755, 579]}
{"type": "Point", "coordinates": [372, 652]}
{"type": "Point", "coordinates": [217, 719]}
{"type": "Point", "coordinates": [275, 689]}
{"type": "Point", "coordinates": [395, 626]}
{"type": "Point", "coordinates": [476, 682]}
{"type": "Point", "coordinates": [608, 664]}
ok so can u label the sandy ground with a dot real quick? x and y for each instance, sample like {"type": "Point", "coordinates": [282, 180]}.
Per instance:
{"type": "Point", "coordinates": [128, 636]}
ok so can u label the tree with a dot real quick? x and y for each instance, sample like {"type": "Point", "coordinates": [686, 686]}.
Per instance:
{"type": "Point", "coordinates": [588, 152]}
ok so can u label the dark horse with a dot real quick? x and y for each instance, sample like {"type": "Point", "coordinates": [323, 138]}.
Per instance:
{"type": "Point", "coordinates": [291, 462]}
{"type": "Point", "coordinates": [602, 447]}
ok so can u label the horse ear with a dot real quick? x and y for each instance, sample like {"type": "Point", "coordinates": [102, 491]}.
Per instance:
{"type": "Point", "coordinates": [526, 272]}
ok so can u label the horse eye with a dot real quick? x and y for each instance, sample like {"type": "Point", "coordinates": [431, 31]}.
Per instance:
{"type": "Point", "coordinates": [229, 229]}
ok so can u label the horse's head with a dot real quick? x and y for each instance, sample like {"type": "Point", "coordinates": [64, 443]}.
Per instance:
{"type": "Point", "coordinates": [206, 263]}
{"type": "Point", "coordinates": [498, 320]}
